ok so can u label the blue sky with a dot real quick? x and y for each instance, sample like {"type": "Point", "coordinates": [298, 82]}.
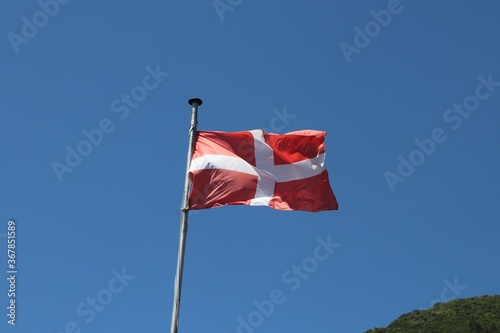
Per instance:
{"type": "Point", "coordinates": [409, 93]}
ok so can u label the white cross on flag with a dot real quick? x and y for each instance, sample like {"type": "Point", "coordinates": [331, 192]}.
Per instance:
{"type": "Point", "coordinates": [254, 168]}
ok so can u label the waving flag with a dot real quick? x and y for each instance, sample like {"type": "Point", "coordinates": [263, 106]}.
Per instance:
{"type": "Point", "coordinates": [254, 168]}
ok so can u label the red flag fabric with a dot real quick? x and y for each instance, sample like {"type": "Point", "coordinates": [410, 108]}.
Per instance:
{"type": "Point", "coordinates": [254, 168]}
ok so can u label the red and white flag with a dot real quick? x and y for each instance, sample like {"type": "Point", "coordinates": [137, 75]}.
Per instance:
{"type": "Point", "coordinates": [254, 168]}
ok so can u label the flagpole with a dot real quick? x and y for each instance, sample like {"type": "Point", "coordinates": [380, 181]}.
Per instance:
{"type": "Point", "coordinates": [194, 102]}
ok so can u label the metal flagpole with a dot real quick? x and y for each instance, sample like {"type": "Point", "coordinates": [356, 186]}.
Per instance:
{"type": "Point", "coordinates": [194, 102]}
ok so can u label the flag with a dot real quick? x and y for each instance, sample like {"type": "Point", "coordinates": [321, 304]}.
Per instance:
{"type": "Point", "coordinates": [254, 168]}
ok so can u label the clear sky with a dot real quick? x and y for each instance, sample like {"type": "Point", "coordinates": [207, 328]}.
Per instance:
{"type": "Point", "coordinates": [94, 121]}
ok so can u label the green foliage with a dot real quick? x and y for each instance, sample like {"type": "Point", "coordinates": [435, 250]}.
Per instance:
{"type": "Point", "coordinates": [466, 315]}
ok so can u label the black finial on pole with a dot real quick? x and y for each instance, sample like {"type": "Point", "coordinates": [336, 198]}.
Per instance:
{"type": "Point", "coordinates": [195, 100]}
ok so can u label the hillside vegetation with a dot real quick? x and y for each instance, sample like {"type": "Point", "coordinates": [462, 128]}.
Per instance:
{"type": "Point", "coordinates": [466, 315]}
